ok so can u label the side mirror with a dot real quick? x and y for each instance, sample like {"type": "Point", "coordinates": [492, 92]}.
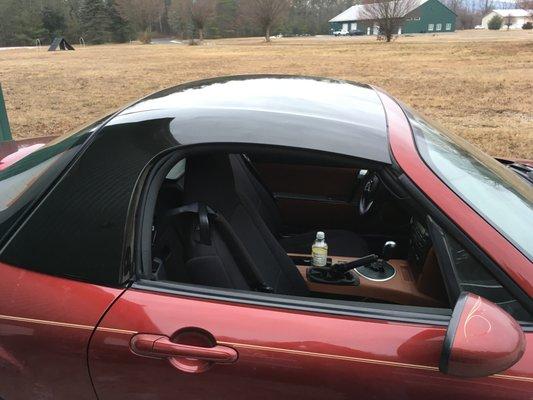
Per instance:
{"type": "Point", "coordinates": [482, 339]}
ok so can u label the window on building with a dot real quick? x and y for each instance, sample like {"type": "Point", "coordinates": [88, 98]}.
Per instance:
{"type": "Point", "coordinates": [448, 26]}
{"type": "Point", "coordinates": [416, 19]}
{"type": "Point", "coordinates": [354, 26]}
{"type": "Point", "coordinates": [431, 27]}
{"type": "Point", "coordinates": [439, 27]}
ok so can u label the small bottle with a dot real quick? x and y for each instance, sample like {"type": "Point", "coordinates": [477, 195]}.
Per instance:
{"type": "Point", "coordinates": [319, 251]}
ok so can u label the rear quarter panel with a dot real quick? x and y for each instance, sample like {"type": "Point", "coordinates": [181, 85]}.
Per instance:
{"type": "Point", "coordinates": [45, 326]}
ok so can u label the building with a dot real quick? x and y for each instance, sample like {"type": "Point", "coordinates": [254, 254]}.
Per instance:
{"type": "Point", "coordinates": [427, 16]}
{"type": "Point", "coordinates": [516, 17]}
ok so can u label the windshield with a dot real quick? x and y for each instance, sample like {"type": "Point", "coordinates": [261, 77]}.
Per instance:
{"type": "Point", "coordinates": [498, 194]}
{"type": "Point", "coordinates": [23, 181]}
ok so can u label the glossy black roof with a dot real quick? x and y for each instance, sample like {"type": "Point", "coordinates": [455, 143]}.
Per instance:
{"type": "Point", "coordinates": [304, 112]}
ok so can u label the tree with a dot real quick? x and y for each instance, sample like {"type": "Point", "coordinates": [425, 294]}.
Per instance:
{"type": "Point", "coordinates": [486, 6]}
{"type": "Point", "coordinates": [95, 22]}
{"type": "Point", "coordinates": [467, 18]}
{"type": "Point", "coordinates": [20, 23]}
{"type": "Point", "coordinates": [266, 13]}
{"type": "Point", "coordinates": [227, 22]}
{"type": "Point", "coordinates": [53, 21]}
{"type": "Point", "coordinates": [178, 18]}
{"type": "Point", "coordinates": [495, 22]}
{"type": "Point", "coordinates": [120, 28]}
{"type": "Point", "coordinates": [525, 4]}
{"type": "Point", "coordinates": [508, 21]}
{"type": "Point", "coordinates": [142, 14]}
{"type": "Point", "coordinates": [389, 15]}
{"type": "Point", "coordinates": [201, 11]}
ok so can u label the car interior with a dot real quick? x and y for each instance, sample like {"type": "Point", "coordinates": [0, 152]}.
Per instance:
{"type": "Point", "coordinates": [248, 221]}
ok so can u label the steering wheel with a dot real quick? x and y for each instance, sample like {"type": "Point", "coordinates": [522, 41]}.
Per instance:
{"type": "Point", "coordinates": [367, 200]}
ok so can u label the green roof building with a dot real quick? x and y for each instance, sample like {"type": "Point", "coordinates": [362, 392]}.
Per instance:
{"type": "Point", "coordinates": [424, 16]}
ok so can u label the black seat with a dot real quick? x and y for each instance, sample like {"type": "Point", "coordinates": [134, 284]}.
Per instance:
{"type": "Point", "coordinates": [340, 242]}
{"type": "Point", "coordinates": [219, 261]}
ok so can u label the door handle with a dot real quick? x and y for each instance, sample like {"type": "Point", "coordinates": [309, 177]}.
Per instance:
{"type": "Point", "coordinates": [159, 346]}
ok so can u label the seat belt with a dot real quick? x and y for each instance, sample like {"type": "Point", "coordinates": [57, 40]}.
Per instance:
{"type": "Point", "coordinates": [238, 250]}
{"type": "Point", "coordinates": [203, 213]}
{"type": "Point", "coordinates": [249, 165]}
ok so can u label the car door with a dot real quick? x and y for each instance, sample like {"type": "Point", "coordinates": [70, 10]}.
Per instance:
{"type": "Point", "coordinates": [146, 344]}
{"type": "Point", "coordinates": [311, 196]}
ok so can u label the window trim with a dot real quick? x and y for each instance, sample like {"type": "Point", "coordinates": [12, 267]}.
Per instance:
{"type": "Point", "coordinates": [438, 27]}
{"type": "Point", "coordinates": [380, 311]}
{"type": "Point", "coordinates": [448, 26]}
{"type": "Point", "coordinates": [431, 27]}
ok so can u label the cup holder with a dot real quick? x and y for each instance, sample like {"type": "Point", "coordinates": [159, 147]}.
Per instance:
{"type": "Point", "coordinates": [324, 275]}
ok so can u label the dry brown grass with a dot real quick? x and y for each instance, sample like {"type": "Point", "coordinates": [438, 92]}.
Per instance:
{"type": "Point", "coordinates": [478, 84]}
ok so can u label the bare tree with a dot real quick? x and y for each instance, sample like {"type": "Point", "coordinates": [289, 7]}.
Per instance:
{"type": "Point", "coordinates": [454, 5]}
{"type": "Point", "coordinates": [142, 14]}
{"type": "Point", "coordinates": [389, 15]}
{"type": "Point", "coordinates": [525, 4]}
{"type": "Point", "coordinates": [191, 15]}
{"type": "Point", "coordinates": [266, 13]}
{"type": "Point", "coordinates": [486, 6]}
{"type": "Point", "coordinates": [201, 12]}
{"type": "Point", "coordinates": [467, 18]}
{"type": "Point", "coordinates": [508, 21]}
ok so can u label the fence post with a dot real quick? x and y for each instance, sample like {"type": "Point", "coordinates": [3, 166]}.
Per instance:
{"type": "Point", "coordinates": [5, 132]}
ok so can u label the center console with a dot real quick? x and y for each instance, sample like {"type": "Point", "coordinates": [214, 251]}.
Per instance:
{"type": "Point", "coordinates": [392, 281]}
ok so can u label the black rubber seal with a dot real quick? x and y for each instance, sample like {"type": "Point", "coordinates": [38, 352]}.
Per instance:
{"type": "Point", "coordinates": [450, 332]}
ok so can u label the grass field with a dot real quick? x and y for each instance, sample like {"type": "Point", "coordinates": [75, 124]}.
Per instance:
{"type": "Point", "coordinates": [478, 84]}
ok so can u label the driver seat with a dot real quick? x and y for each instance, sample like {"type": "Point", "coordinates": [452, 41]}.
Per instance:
{"type": "Point", "coordinates": [247, 182]}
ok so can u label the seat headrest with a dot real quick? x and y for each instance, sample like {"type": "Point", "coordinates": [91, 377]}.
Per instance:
{"type": "Point", "coordinates": [209, 180]}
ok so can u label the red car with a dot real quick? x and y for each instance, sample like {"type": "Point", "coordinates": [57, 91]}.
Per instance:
{"type": "Point", "coordinates": [164, 252]}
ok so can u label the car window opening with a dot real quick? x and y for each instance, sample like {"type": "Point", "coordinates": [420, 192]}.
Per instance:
{"type": "Point", "coordinates": [249, 221]}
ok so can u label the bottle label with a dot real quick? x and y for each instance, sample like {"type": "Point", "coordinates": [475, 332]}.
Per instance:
{"type": "Point", "coordinates": [320, 259]}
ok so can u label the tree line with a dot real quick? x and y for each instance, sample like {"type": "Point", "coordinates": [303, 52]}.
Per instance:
{"type": "Point", "coordinates": [22, 22]}
{"type": "Point", "coordinates": [103, 21]}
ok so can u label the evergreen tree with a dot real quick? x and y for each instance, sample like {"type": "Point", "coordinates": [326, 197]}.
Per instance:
{"type": "Point", "coordinates": [95, 22]}
{"type": "Point", "coordinates": [20, 24]}
{"type": "Point", "coordinates": [121, 30]}
{"type": "Point", "coordinates": [53, 21]}
{"type": "Point", "coordinates": [225, 25]}
{"type": "Point", "coordinates": [495, 22]}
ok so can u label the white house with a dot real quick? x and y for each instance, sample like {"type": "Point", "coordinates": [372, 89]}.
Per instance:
{"type": "Point", "coordinates": [516, 16]}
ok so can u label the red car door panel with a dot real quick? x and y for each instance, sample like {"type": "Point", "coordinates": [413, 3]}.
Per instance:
{"type": "Point", "coordinates": [45, 326]}
{"type": "Point", "coordinates": [280, 354]}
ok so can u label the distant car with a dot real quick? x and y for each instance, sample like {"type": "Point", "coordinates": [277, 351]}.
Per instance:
{"type": "Point", "coordinates": [479, 27]}
{"type": "Point", "coordinates": [164, 252]}
{"type": "Point", "coordinates": [356, 32]}
{"type": "Point", "coordinates": [341, 33]}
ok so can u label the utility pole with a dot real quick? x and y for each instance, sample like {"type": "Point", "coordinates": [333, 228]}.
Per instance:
{"type": "Point", "coordinates": [5, 131]}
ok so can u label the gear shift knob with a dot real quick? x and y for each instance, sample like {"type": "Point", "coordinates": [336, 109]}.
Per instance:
{"type": "Point", "coordinates": [388, 250]}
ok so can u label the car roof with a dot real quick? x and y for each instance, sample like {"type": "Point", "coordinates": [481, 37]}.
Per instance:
{"type": "Point", "coordinates": [311, 113]}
